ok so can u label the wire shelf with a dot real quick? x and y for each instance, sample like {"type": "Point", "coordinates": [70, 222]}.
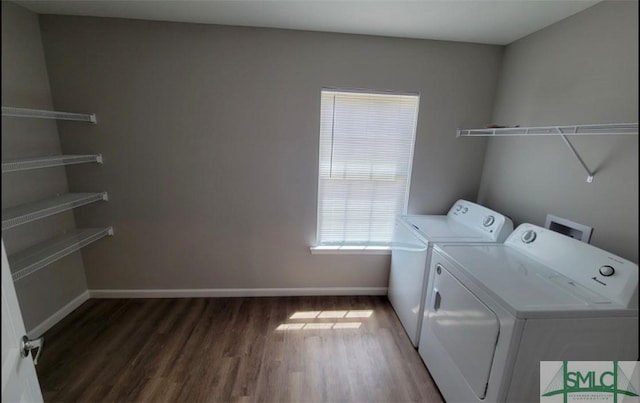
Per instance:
{"type": "Point", "coordinates": [48, 162]}
{"type": "Point", "coordinates": [25, 213]}
{"type": "Point", "coordinates": [603, 129]}
{"type": "Point", "coordinates": [44, 114]}
{"type": "Point", "coordinates": [610, 129]}
{"type": "Point", "coordinates": [36, 257]}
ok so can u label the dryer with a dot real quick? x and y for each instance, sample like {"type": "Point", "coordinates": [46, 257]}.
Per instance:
{"type": "Point", "coordinates": [494, 311]}
{"type": "Point", "coordinates": [413, 239]}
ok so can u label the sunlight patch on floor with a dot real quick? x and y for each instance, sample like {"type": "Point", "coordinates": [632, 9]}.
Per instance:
{"type": "Point", "coordinates": [317, 320]}
{"type": "Point", "coordinates": [332, 314]}
{"type": "Point", "coordinates": [319, 326]}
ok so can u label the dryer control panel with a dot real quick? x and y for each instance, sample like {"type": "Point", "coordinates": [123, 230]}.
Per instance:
{"type": "Point", "coordinates": [602, 272]}
{"type": "Point", "coordinates": [490, 222]}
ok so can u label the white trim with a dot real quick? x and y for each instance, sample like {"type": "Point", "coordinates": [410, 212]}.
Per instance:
{"type": "Point", "coordinates": [367, 91]}
{"type": "Point", "coordinates": [52, 320]}
{"type": "Point", "coordinates": [48, 323]}
{"type": "Point", "coordinates": [350, 250]}
{"type": "Point", "coordinates": [235, 292]}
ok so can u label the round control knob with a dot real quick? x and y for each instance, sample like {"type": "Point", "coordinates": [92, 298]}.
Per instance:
{"type": "Point", "coordinates": [529, 236]}
{"type": "Point", "coordinates": [607, 270]}
{"type": "Point", "coordinates": [488, 221]}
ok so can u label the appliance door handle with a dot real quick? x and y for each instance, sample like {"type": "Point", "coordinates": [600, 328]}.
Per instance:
{"type": "Point", "coordinates": [32, 344]}
{"type": "Point", "coordinates": [437, 300]}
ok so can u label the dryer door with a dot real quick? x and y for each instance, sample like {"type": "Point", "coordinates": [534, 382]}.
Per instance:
{"type": "Point", "coordinates": [465, 328]}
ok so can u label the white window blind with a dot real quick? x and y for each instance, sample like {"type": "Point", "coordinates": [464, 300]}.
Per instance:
{"type": "Point", "coordinates": [366, 150]}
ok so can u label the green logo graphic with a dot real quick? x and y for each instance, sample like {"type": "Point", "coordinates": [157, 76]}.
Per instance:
{"type": "Point", "coordinates": [614, 382]}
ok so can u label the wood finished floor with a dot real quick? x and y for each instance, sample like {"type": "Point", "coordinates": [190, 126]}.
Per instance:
{"type": "Point", "coordinates": [233, 349]}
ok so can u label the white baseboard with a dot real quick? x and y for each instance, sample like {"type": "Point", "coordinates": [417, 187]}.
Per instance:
{"type": "Point", "coordinates": [235, 292]}
{"type": "Point", "coordinates": [48, 323]}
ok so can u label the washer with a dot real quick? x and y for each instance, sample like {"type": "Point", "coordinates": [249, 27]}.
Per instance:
{"type": "Point", "coordinates": [413, 239]}
{"type": "Point", "coordinates": [494, 311]}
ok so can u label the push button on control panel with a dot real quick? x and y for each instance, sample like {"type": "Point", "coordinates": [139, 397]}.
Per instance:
{"type": "Point", "coordinates": [607, 270]}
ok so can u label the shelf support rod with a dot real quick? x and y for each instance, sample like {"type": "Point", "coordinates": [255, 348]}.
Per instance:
{"type": "Point", "coordinates": [575, 153]}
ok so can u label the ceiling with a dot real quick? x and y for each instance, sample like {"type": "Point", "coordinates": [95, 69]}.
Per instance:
{"type": "Point", "coordinates": [497, 22]}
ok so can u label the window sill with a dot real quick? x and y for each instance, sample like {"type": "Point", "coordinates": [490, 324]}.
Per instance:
{"type": "Point", "coordinates": [350, 250]}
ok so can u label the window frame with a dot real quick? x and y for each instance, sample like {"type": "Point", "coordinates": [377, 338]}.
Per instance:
{"type": "Point", "coordinates": [362, 247]}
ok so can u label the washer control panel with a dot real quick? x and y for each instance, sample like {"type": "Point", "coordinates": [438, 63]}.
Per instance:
{"type": "Point", "coordinates": [611, 276]}
{"type": "Point", "coordinates": [481, 218]}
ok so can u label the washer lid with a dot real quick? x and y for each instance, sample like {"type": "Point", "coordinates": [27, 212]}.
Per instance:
{"type": "Point", "coordinates": [440, 228]}
{"type": "Point", "coordinates": [524, 286]}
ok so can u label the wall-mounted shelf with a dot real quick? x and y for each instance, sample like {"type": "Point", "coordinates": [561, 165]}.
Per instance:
{"type": "Point", "coordinates": [36, 257]}
{"type": "Point", "coordinates": [580, 130]}
{"type": "Point", "coordinates": [44, 114]}
{"type": "Point", "coordinates": [49, 161]}
{"type": "Point", "coordinates": [609, 129]}
{"type": "Point", "coordinates": [25, 213]}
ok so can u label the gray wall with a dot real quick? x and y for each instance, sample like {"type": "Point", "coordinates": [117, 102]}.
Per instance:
{"type": "Point", "coordinates": [25, 84]}
{"type": "Point", "coordinates": [581, 70]}
{"type": "Point", "coordinates": [210, 140]}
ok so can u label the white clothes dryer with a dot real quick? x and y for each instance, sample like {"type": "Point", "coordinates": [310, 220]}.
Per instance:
{"type": "Point", "coordinates": [494, 311]}
{"type": "Point", "coordinates": [413, 240]}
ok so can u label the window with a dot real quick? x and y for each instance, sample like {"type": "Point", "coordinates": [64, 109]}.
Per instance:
{"type": "Point", "coordinates": [366, 149]}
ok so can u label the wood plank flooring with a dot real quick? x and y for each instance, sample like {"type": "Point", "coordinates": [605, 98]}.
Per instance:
{"type": "Point", "coordinates": [280, 349]}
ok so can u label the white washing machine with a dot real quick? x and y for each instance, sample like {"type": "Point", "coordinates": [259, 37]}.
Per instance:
{"type": "Point", "coordinates": [494, 311]}
{"type": "Point", "coordinates": [413, 239]}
